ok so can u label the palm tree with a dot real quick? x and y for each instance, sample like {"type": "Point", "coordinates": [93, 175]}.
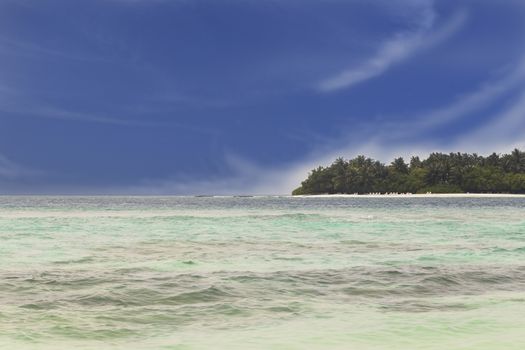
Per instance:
{"type": "Point", "coordinates": [399, 165]}
{"type": "Point", "coordinates": [517, 161]}
{"type": "Point", "coordinates": [338, 170]}
{"type": "Point", "coordinates": [415, 162]}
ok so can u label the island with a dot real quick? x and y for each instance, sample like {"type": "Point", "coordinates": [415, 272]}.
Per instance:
{"type": "Point", "coordinates": [439, 173]}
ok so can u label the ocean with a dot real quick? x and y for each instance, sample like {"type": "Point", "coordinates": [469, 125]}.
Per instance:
{"type": "Point", "coordinates": [262, 273]}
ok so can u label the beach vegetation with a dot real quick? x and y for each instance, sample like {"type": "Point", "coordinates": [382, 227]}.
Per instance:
{"type": "Point", "coordinates": [438, 173]}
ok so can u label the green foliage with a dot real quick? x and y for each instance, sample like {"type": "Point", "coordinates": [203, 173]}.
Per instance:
{"type": "Point", "coordinates": [439, 173]}
{"type": "Point", "coordinates": [298, 191]}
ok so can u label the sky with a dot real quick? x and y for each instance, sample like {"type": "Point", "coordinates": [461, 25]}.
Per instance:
{"type": "Point", "coordinates": [246, 96]}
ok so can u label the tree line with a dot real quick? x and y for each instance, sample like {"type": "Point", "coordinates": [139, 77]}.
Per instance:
{"type": "Point", "coordinates": [439, 173]}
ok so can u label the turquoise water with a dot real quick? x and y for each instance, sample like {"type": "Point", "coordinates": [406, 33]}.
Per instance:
{"type": "Point", "coordinates": [262, 273]}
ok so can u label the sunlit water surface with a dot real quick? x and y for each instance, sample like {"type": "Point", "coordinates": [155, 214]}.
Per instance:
{"type": "Point", "coordinates": [262, 273]}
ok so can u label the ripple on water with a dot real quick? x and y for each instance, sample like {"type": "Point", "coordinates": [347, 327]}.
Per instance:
{"type": "Point", "coordinates": [285, 273]}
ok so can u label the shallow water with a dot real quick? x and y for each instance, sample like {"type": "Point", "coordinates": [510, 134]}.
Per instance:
{"type": "Point", "coordinates": [262, 273]}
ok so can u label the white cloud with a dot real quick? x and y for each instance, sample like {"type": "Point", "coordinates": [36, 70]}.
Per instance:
{"type": "Point", "coordinates": [27, 49]}
{"type": "Point", "coordinates": [395, 51]}
{"type": "Point", "coordinates": [504, 131]}
{"type": "Point", "coordinates": [476, 100]}
{"type": "Point", "coordinates": [9, 169]}
{"type": "Point", "coordinates": [501, 134]}
{"type": "Point", "coordinates": [246, 178]}
{"type": "Point", "coordinates": [16, 109]}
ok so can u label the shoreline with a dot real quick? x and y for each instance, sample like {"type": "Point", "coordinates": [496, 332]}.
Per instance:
{"type": "Point", "coordinates": [412, 195]}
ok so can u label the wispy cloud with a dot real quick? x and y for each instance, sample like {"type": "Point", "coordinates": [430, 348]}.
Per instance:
{"type": "Point", "coordinates": [396, 50]}
{"type": "Point", "coordinates": [47, 112]}
{"type": "Point", "coordinates": [63, 114]}
{"type": "Point", "coordinates": [4, 89]}
{"type": "Point", "coordinates": [476, 100]}
{"type": "Point", "coordinates": [488, 93]}
{"type": "Point", "coordinates": [21, 48]}
{"type": "Point", "coordinates": [502, 134]}
{"type": "Point", "coordinates": [11, 170]}
{"type": "Point", "coordinates": [504, 131]}
{"type": "Point", "coordinates": [245, 177]}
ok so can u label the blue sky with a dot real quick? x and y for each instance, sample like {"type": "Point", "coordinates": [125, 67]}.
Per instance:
{"type": "Point", "coordinates": [245, 96]}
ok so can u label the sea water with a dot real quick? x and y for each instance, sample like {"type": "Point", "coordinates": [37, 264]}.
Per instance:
{"type": "Point", "coordinates": [262, 273]}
